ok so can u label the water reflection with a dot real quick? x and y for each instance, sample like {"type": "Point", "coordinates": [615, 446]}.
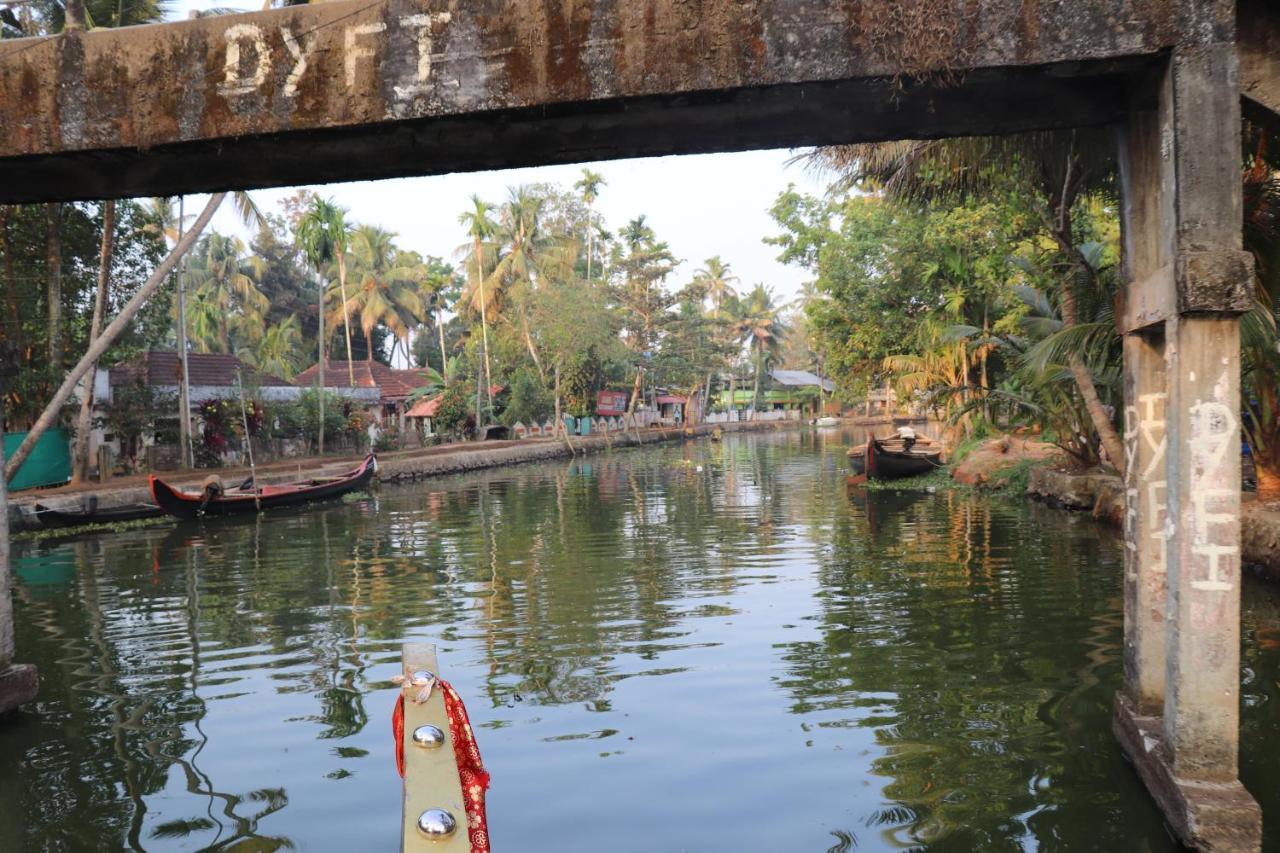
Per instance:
{"type": "Point", "coordinates": [658, 647]}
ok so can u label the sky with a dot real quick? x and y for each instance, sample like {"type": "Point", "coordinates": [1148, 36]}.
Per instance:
{"type": "Point", "coordinates": [702, 205]}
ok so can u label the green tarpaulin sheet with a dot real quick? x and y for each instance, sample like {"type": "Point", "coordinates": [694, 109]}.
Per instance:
{"type": "Point", "coordinates": [49, 463]}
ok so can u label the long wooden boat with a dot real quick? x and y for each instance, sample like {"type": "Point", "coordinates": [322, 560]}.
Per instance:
{"type": "Point", "coordinates": [894, 459]}
{"type": "Point", "coordinates": [50, 517]}
{"type": "Point", "coordinates": [214, 500]}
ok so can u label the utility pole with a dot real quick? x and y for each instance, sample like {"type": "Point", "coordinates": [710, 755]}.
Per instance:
{"type": "Point", "coordinates": [17, 680]}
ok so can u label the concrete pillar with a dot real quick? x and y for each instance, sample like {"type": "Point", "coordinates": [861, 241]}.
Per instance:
{"type": "Point", "coordinates": [17, 680]}
{"type": "Point", "coordinates": [1202, 700]}
{"type": "Point", "coordinates": [1146, 497]}
{"type": "Point", "coordinates": [1187, 283]}
{"type": "Point", "coordinates": [1147, 220]}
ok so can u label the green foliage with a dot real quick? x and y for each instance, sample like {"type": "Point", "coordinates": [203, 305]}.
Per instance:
{"type": "Point", "coordinates": [135, 410]}
{"type": "Point", "coordinates": [530, 401]}
{"type": "Point", "coordinates": [455, 409]}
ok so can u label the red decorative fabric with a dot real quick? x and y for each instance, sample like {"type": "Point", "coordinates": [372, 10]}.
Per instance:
{"type": "Point", "coordinates": [466, 752]}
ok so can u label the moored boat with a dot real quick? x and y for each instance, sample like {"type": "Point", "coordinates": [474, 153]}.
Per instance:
{"type": "Point", "coordinates": [215, 500]}
{"type": "Point", "coordinates": [858, 460]}
{"type": "Point", "coordinates": [50, 517]}
{"type": "Point", "coordinates": [896, 458]}
{"type": "Point", "coordinates": [828, 421]}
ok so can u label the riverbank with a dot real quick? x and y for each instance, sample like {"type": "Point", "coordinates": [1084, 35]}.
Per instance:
{"type": "Point", "coordinates": [1041, 471]}
{"type": "Point", "coordinates": [396, 466]}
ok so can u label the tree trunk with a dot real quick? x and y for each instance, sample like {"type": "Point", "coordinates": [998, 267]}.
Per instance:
{"type": "Point", "coordinates": [1267, 472]}
{"type": "Point", "coordinates": [1084, 381]}
{"type": "Point", "coordinates": [533, 352]}
{"type": "Point", "coordinates": [346, 317]}
{"type": "Point", "coordinates": [444, 361]}
{"type": "Point", "coordinates": [560, 430]}
{"type": "Point", "coordinates": [755, 397]}
{"type": "Point", "coordinates": [109, 335]}
{"type": "Point", "coordinates": [320, 364]}
{"type": "Point", "coordinates": [484, 327]}
{"type": "Point", "coordinates": [53, 269]}
{"type": "Point", "coordinates": [80, 456]}
{"type": "Point", "coordinates": [590, 237]}
{"type": "Point", "coordinates": [10, 281]}
{"type": "Point", "coordinates": [368, 348]}
{"type": "Point", "coordinates": [1061, 203]}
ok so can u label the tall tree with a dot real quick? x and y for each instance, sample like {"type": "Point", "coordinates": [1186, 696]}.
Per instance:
{"type": "Point", "coordinates": [80, 450]}
{"type": "Point", "coordinates": [642, 263]}
{"type": "Point", "coordinates": [717, 279]}
{"type": "Point", "coordinates": [480, 227]}
{"type": "Point", "coordinates": [322, 234]}
{"type": "Point", "coordinates": [589, 185]}
{"type": "Point", "coordinates": [387, 292]}
{"type": "Point", "coordinates": [760, 325]}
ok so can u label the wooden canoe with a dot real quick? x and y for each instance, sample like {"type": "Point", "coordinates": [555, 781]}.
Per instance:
{"type": "Point", "coordinates": [892, 459]}
{"type": "Point", "coordinates": [50, 517]}
{"type": "Point", "coordinates": [215, 502]}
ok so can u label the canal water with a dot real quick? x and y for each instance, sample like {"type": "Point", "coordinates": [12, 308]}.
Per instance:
{"type": "Point", "coordinates": [697, 647]}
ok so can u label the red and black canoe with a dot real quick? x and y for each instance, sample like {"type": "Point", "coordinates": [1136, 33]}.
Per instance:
{"type": "Point", "coordinates": [215, 500]}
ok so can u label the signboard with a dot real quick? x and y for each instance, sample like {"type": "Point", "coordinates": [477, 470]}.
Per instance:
{"type": "Point", "coordinates": [611, 403]}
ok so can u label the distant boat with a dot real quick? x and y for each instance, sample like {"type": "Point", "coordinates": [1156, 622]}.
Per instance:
{"type": "Point", "coordinates": [50, 517]}
{"type": "Point", "coordinates": [896, 458]}
{"type": "Point", "coordinates": [215, 500]}
{"type": "Point", "coordinates": [828, 421]}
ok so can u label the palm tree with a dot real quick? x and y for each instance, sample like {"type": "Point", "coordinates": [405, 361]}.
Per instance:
{"type": "Point", "coordinates": [761, 327]}
{"type": "Point", "coordinates": [717, 279]}
{"type": "Point", "coordinates": [387, 294]}
{"type": "Point", "coordinates": [278, 350]}
{"type": "Point", "coordinates": [322, 235]}
{"type": "Point", "coordinates": [481, 227]}
{"type": "Point", "coordinates": [224, 278]}
{"type": "Point", "coordinates": [1057, 167]}
{"type": "Point", "coordinates": [525, 254]}
{"type": "Point", "coordinates": [589, 185]}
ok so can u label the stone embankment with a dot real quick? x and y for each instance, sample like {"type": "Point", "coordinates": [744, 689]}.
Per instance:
{"type": "Point", "coordinates": [392, 467]}
{"type": "Point", "coordinates": [1051, 479]}
{"type": "Point", "coordinates": [1102, 494]}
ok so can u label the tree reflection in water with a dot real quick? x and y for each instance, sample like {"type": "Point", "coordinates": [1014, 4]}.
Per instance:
{"type": "Point", "coordinates": [710, 631]}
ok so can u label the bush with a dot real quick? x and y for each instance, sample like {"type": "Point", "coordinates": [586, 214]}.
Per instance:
{"type": "Point", "coordinates": [454, 410]}
{"type": "Point", "coordinates": [530, 402]}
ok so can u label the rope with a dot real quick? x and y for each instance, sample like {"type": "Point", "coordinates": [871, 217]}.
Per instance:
{"type": "Point", "coordinates": [466, 752]}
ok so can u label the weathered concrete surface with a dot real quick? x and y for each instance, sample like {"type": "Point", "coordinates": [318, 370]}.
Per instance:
{"type": "Point", "coordinates": [19, 684]}
{"type": "Point", "coordinates": [357, 89]}
{"type": "Point", "coordinates": [1217, 815]}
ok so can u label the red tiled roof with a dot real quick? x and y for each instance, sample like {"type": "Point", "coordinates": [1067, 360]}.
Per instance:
{"type": "Point", "coordinates": [425, 408]}
{"type": "Point", "coordinates": [392, 384]}
{"type": "Point", "coordinates": [666, 399]}
{"type": "Point", "coordinates": [162, 367]}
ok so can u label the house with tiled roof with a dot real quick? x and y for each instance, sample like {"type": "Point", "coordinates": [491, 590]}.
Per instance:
{"type": "Point", "coordinates": [209, 375]}
{"type": "Point", "coordinates": [392, 385]}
